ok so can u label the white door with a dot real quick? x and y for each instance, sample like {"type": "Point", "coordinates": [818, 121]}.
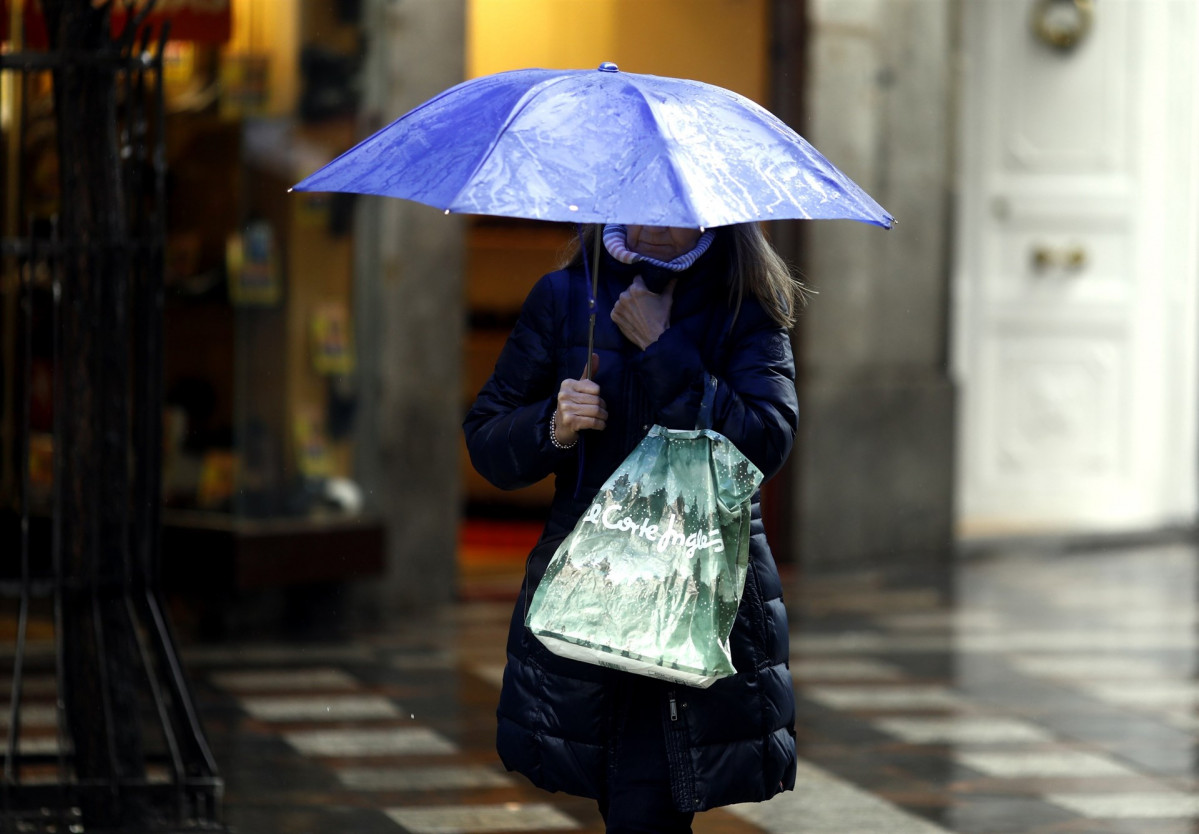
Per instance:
{"type": "Point", "coordinates": [1075, 275]}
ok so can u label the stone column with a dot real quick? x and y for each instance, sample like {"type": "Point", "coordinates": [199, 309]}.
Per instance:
{"type": "Point", "coordinates": [876, 457]}
{"type": "Point", "coordinates": [409, 267]}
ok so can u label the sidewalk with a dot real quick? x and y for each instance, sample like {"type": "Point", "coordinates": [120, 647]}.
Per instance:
{"type": "Point", "coordinates": [1030, 693]}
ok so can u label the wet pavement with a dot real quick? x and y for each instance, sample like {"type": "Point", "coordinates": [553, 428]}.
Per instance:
{"type": "Point", "coordinates": [1029, 691]}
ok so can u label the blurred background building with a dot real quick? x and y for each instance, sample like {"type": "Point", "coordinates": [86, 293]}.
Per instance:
{"type": "Point", "coordinates": [1019, 356]}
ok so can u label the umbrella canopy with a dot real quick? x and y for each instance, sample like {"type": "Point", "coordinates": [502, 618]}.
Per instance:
{"type": "Point", "coordinates": [599, 146]}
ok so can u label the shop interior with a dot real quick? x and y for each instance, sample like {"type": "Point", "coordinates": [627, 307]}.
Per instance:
{"type": "Point", "coordinates": [260, 374]}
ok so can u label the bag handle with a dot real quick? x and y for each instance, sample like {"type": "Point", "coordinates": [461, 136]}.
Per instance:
{"type": "Point", "coordinates": [703, 420]}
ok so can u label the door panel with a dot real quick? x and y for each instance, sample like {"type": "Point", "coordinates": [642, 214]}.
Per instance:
{"type": "Point", "coordinates": [1066, 339]}
{"type": "Point", "coordinates": [1061, 114]}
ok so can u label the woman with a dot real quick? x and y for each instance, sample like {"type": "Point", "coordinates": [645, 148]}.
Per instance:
{"type": "Point", "coordinates": [674, 308]}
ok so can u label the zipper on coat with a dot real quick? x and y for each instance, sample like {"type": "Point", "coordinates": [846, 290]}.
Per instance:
{"type": "Point", "coordinates": [678, 756]}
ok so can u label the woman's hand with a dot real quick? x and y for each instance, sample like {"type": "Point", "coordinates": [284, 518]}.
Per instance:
{"type": "Point", "coordinates": [641, 315]}
{"type": "Point", "coordinates": [579, 407]}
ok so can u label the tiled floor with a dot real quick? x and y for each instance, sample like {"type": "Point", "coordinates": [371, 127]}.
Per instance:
{"type": "Point", "coordinates": [1036, 693]}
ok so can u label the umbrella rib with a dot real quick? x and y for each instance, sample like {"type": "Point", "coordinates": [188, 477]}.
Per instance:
{"type": "Point", "coordinates": [684, 197]}
{"type": "Point", "coordinates": [524, 102]}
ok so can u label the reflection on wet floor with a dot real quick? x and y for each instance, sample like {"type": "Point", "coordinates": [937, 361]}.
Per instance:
{"type": "Point", "coordinates": [1030, 693]}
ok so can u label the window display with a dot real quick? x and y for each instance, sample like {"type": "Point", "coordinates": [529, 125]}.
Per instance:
{"type": "Point", "coordinates": [259, 388]}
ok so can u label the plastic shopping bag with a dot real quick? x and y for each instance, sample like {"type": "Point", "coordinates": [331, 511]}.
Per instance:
{"type": "Point", "coordinates": [650, 579]}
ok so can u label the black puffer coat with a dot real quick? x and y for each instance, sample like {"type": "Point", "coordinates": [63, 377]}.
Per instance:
{"type": "Point", "coordinates": [733, 742]}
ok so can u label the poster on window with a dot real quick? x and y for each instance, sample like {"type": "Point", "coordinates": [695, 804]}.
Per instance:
{"type": "Point", "coordinates": [332, 345]}
{"type": "Point", "coordinates": [314, 460]}
{"type": "Point", "coordinates": [252, 266]}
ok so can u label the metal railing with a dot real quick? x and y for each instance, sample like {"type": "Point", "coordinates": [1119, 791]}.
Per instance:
{"type": "Point", "coordinates": [79, 565]}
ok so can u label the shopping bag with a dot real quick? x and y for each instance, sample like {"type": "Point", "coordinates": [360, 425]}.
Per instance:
{"type": "Point", "coordinates": [650, 578]}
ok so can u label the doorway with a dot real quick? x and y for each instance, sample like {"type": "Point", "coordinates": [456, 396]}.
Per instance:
{"type": "Point", "coordinates": [1075, 282]}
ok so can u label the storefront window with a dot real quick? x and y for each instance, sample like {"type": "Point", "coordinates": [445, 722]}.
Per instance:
{"type": "Point", "coordinates": [260, 362]}
{"type": "Point", "coordinates": [260, 383]}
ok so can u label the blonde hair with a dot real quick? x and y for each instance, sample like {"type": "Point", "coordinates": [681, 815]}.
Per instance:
{"type": "Point", "coordinates": [756, 269]}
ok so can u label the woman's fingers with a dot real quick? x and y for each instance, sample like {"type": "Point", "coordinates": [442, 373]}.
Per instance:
{"type": "Point", "coordinates": [595, 412]}
{"type": "Point", "coordinates": [585, 413]}
{"type": "Point", "coordinates": [579, 407]}
{"type": "Point", "coordinates": [579, 387]}
{"type": "Point", "coordinates": [643, 316]}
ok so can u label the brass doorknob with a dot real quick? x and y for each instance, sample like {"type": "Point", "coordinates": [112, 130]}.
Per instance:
{"type": "Point", "coordinates": [1070, 258]}
{"type": "Point", "coordinates": [1075, 258]}
{"type": "Point", "coordinates": [1062, 24]}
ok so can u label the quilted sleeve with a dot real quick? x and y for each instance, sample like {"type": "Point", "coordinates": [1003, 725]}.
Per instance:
{"type": "Point", "coordinates": [755, 406]}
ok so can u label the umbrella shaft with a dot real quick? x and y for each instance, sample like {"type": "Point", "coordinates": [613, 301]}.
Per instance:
{"type": "Point", "coordinates": [594, 293]}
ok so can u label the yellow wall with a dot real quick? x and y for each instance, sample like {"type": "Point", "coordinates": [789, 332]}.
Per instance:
{"type": "Point", "coordinates": [270, 29]}
{"type": "Point", "coordinates": [723, 42]}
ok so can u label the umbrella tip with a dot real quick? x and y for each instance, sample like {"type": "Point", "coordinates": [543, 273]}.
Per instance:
{"type": "Point", "coordinates": [608, 66]}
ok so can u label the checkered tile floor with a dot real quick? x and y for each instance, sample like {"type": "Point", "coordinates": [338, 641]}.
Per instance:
{"type": "Point", "coordinates": [1024, 693]}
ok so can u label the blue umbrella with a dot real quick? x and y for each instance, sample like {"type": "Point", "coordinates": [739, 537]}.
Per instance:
{"type": "Point", "coordinates": [599, 146]}
{"type": "Point", "coordinates": [587, 146]}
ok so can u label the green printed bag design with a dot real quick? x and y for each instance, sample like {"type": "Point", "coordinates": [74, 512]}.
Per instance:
{"type": "Point", "coordinates": [650, 578]}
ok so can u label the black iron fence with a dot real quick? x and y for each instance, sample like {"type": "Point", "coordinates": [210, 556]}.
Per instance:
{"type": "Point", "coordinates": [100, 731]}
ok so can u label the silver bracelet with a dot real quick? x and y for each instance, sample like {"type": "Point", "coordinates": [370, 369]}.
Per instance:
{"type": "Point", "coordinates": [554, 434]}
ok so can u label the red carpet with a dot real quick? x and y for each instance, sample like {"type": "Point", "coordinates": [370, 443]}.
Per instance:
{"type": "Point", "coordinates": [491, 557]}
